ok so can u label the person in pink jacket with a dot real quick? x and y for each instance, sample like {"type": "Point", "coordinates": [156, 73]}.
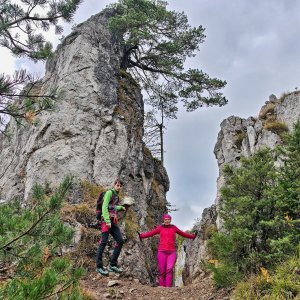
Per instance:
{"type": "Point", "coordinates": [167, 248]}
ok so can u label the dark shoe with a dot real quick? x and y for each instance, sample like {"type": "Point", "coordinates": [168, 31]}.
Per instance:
{"type": "Point", "coordinates": [115, 269]}
{"type": "Point", "coordinates": [102, 271]}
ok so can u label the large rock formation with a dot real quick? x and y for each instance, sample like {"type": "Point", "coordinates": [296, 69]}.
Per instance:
{"type": "Point", "coordinates": [94, 133]}
{"type": "Point", "coordinates": [243, 137]}
{"type": "Point", "coordinates": [240, 137]}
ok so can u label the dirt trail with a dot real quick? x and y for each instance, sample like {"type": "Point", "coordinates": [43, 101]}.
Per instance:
{"type": "Point", "coordinates": [129, 288]}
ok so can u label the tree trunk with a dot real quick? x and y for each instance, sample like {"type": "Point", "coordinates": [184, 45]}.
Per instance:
{"type": "Point", "coordinates": [161, 143]}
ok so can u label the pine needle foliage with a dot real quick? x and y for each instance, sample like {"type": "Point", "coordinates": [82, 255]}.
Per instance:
{"type": "Point", "coordinates": [31, 239]}
{"type": "Point", "coordinates": [22, 24]}
{"type": "Point", "coordinates": [156, 44]}
{"type": "Point", "coordinates": [260, 209]}
{"type": "Point", "coordinates": [290, 174]}
{"type": "Point", "coordinates": [23, 103]}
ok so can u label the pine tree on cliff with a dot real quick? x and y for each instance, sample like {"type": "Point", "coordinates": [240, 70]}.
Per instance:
{"type": "Point", "coordinates": [21, 27]}
{"type": "Point", "coordinates": [156, 44]}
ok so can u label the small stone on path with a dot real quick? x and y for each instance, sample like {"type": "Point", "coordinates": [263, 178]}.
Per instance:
{"type": "Point", "coordinates": [113, 283]}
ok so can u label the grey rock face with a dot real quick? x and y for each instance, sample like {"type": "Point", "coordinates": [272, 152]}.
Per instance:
{"type": "Point", "coordinates": [95, 132]}
{"type": "Point", "coordinates": [288, 110]}
{"type": "Point", "coordinates": [239, 137]}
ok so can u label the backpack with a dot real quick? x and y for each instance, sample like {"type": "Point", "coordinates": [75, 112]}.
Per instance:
{"type": "Point", "coordinates": [100, 203]}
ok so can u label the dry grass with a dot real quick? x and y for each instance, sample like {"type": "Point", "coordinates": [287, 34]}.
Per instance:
{"type": "Point", "coordinates": [85, 212]}
{"type": "Point", "coordinates": [87, 294]}
{"type": "Point", "coordinates": [267, 110]}
{"type": "Point", "coordinates": [276, 127]}
{"type": "Point", "coordinates": [84, 254]}
{"type": "Point", "coordinates": [239, 137]}
{"type": "Point", "coordinates": [91, 192]}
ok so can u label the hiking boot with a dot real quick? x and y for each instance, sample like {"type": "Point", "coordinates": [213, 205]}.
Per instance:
{"type": "Point", "coordinates": [102, 271]}
{"type": "Point", "coordinates": [115, 269]}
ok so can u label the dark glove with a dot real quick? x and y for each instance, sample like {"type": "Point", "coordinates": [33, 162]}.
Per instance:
{"type": "Point", "coordinates": [196, 232]}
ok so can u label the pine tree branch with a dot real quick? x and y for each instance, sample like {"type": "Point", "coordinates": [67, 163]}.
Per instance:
{"type": "Point", "coordinates": [9, 267]}
{"type": "Point", "coordinates": [27, 17]}
{"type": "Point", "coordinates": [144, 67]}
{"type": "Point", "coordinates": [26, 95]}
{"type": "Point", "coordinates": [5, 111]}
{"type": "Point", "coordinates": [28, 230]}
{"type": "Point", "coordinates": [12, 40]}
{"type": "Point", "coordinates": [61, 290]}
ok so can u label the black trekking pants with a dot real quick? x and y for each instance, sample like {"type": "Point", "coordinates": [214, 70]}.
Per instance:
{"type": "Point", "coordinates": [117, 235]}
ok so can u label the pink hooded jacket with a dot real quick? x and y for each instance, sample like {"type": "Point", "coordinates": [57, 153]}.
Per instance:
{"type": "Point", "coordinates": [167, 236]}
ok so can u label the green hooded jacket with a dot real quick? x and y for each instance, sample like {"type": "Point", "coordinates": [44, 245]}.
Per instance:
{"type": "Point", "coordinates": [106, 202]}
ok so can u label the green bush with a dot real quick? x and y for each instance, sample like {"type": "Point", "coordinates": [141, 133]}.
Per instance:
{"type": "Point", "coordinates": [30, 239]}
{"type": "Point", "coordinates": [283, 283]}
{"type": "Point", "coordinates": [225, 274]}
{"type": "Point", "coordinates": [220, 246]}
{"type": "Point", "coordinates": [256, 287]}
{"type": "Point", "coordinates": [260, 210]}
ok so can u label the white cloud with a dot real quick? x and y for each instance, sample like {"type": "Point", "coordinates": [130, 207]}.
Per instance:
{"type": "Point", "coordinates": [7, 64]}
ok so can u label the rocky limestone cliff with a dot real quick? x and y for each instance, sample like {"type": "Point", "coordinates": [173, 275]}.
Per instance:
{"type": "Point", "coordinates": [95, 133]}
{"type": "Point", "coordinates": [240, 137]}
{"type": "Point", "coordinates": [243, 137]}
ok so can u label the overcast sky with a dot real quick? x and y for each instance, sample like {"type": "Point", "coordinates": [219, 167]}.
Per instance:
{"type": "Point", "coordinates": [254, 46]}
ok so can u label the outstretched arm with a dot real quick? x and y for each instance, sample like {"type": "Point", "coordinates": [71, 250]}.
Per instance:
{"type": "Point", "coordinates": [149, 233]}
{"type": "Point", "coordinates": [185, 234]}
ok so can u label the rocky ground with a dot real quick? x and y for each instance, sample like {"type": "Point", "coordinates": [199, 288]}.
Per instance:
{"type": "Point", "coordinates": [121, 287]}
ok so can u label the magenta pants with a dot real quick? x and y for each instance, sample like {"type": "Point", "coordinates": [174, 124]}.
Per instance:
{"type": "Point", "coordinates": [166, 263]}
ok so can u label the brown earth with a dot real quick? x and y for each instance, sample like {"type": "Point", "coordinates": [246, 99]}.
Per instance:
{"type": "Point", "coordinates": [97, 287]}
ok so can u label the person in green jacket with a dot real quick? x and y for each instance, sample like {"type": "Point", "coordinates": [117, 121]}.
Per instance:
{"type": "Point", "coordinates": [109, 225]}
